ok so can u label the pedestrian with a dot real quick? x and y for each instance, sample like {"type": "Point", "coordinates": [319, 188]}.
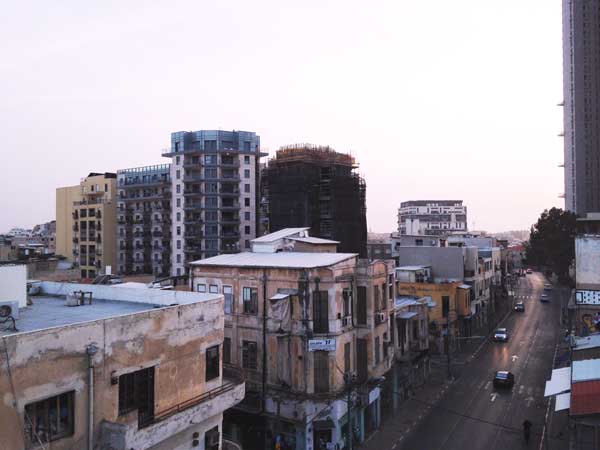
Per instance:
{"type": "Point", "coordinates": [527, 430]}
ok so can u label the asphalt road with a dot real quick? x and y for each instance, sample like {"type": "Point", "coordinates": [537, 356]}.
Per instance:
{"type": "Point", "coordinates": [473, 414]}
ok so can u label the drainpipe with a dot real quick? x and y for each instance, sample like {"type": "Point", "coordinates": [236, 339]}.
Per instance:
{"type": "Point", "coordinates": [264, 358]}
{"type": "Point", "coordinates": [91, 350]}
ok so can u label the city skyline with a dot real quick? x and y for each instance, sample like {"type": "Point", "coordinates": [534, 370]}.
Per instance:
{"type": "Point", "coordinates": [440, 114]}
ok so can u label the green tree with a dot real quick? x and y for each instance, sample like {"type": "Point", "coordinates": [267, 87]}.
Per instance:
{"type": "Point", "coordinates": [552, 241]}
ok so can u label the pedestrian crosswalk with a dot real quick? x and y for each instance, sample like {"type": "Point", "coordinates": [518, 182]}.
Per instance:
{"type": "Point", "coordinates": [524, 297]}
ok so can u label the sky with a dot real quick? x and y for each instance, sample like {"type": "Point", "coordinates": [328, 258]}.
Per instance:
{"type": "Point", "coordinates": [436, 99]}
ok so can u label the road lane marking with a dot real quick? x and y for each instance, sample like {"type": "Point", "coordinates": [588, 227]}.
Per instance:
{"type": "Point", "coordinates": [493, 396]}
{"type": "Point", "coordinates": [521, 389]}
{"type": "Point", "coordinates": [487, 385]}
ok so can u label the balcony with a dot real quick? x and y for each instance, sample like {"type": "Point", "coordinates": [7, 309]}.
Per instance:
{"type": "Point", "coordinates": [157, 233]}
{"type": "Point", "coordinates": [76, 239]}
{"type": "Point", "coordinates": [192, 178]}
{"type": "Point", "coordinates": [76, 228]}
{"type": "Point", "coordinates": [192, 192]}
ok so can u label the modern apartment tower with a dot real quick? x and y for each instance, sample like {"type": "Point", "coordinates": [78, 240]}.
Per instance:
{"type": "Point", "coordinates": [144, 220]}
{"type": "Point", "coordinates": [214, 198]}
{"type": "Point", "coordinates": [581, 86]}
{"type": "Point", "coordinates": [431, 217]}
{"type": "Point", "coordinates": [315, 186]}
{"type": "Point", "coordinates": [86, 215]}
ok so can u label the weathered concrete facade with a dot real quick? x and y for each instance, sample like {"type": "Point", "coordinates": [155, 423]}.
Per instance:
{"type": "Point", "coordinates": [181, 401]}
{"type": "Point", "coordinates": [298, 336]}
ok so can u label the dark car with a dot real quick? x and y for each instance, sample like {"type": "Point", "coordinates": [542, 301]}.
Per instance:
{"type": "Point", "coordinates": [504, 379]}
{"type": "Point", "coordinates": [501, 335]}
{"type": "Point", "coordinates": [544, 298]}
{"type": "Point", "coordinates": [520, 307]}
{"type": "Point", "coordinates": [529, 271]}
{"type": "Point", "coordinates": [547, 287]}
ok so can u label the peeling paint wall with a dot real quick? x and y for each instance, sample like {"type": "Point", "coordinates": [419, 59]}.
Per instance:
{"type": "Point", "coordinates": [49, 362]}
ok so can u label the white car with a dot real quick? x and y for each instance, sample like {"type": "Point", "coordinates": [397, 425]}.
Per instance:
{"type": "Point", "coordinates": [501, 335]}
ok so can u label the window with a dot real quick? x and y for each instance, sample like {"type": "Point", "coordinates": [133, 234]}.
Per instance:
{"type": "Point", "coordinates": [50, 419]}
{"type": "Point", "coordinates": [178, 244]}
{"type": "Point", "coordinates": [211, 216]}
{"type": "Point", "coordinates": [391, 286]}
{"type": "Point", "coordinates": [227, 350]}
{"type": "Point", "coordinates": [320, 312]}
{"type": "Point", "coordinates": [246, 187]}
{"type": "Point", "coordinates": [212, 362]}
{"type": "Point", "coordinates": [246, 173]}
{"type": "Point", "coordinates": [210, 173]}
{"type": "Point", "coordinates": [445, 306]}
{"type": "Point", "coordinates": [178, 231]}
{"type": "Point", "coordinates": [228, 294]}
{"type": "Point", "coordinates": [249, 355]}
{"type": "Point", "coordinates": [211, 439]}
{"type": "Point", "coordinates": [361, 305]}
{"type": "Point", "coordinates": [376, 298]}
{"type": "Point", "coordinates": [201, 288]}
{"type": "Point", "coordinates": [246, 159]}
{"type": "Point", "coordinates": [347, 297]}
{"type": "Point", "coordinates": [383, 296]}
{"type": "Point", "coordinates": [178, 188]}
{"type": "Point", "coordinates": [250, 299]}
{"type": "Point", "coordinates": [246, 201]}
{"type": "Point", "coordinates": [321, 362]}
{"type": "Point", "coordinates": [377, 354]}
{"type": "Point", "coordinates": [136, 391]}
{"type": "Point", "coordinates": [177, 160]}
{"type": "Point", "coordinates": [211, 188]}
{"type": "Point", "coordinates": [247, 147]}
{"type": "Point", "coordinates": [210, 160]}
{"type": "Point", "coordinates": [178, 202]}
{"type": "Point", "coordinates": [213, 289]}
{"type": "Point", "coordinates": [211, 202]}
{"type": "Point", "coordinates": [347, 353]}
{"type": "Point", "coordinates": [419, 242]}
{"type": "Point", "coordinates": [178, 217]}
{"type": "Point", "coordinates": [246, 243]}
{"type": "Point", "coordinates": [247, 229]}
{"type": "Point", "coordinates": [178, 174]}
{"type": "Point", "coordinates": [178, 260]}
{"type": "Point", "coordinates": [247, 215]}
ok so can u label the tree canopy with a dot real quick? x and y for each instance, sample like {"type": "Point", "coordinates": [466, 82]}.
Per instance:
{"type": "Point", "coordinates": [552, 241]}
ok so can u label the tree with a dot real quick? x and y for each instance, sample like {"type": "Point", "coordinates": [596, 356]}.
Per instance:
{"type": "Point", "coordinates": [552, 241]}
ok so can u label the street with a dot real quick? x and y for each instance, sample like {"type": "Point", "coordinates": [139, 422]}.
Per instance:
{"type": "Point", "coordinates": [473, 414]}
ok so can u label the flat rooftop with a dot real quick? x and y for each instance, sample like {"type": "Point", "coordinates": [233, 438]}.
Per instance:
{"type": "Point", "coordinates": [412, 268]}
{"type": "Point", "coordinates": [288, 260]}
{"type": "Point", "coordinates": [51, 311]}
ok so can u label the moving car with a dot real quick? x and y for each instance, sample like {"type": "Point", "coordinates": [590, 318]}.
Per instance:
{"type": "Point", "coordinates": [503, 379]}
{"type": "Point", "coordinates": [529, 271]}
{"type": "Point", "coordinates": [547, 287]}
{"type": "Point", "coordinates": [520, 307]}
{"type": "Point", "coordinates": [501, 335]}
{"type": "Point", "coordinates": [544, 298]}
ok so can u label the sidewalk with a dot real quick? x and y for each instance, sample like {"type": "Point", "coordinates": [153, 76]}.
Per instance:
{"type": "Point", "coordinates": [397, 428]}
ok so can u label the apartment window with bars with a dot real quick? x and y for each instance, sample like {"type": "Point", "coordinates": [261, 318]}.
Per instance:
{"type": "Point", "coordinates": [212, 362]}
{"type": "Point", "coordinates": [249, 355]}
{"type": "Point", "coordinates": [136, 391]}
{"type": "Point", "coordinates": [321, 365]}
{"type": "Point", "coordinates": [250, 300]}
{"type": "Point", "coordinates": [49, 419]}
{"type": "Point", "coordinates": [320, 312]}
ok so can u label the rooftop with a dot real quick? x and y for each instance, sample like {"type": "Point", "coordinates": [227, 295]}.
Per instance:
{"type": "Point", "coordinates": [291, 260]}
{"type": "Point", "coordinates": [412, 268]}
{"type": "Point", "coordinates": [314, 240]}
{"type": "Point", "coordinates": [50, 311]}
{"type": "Point", "coordinates": [284, 233]}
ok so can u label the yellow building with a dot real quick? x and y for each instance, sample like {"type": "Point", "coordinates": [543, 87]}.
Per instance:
{"type": "Point", "coordinates": [86, 223]}
{"type": "Point", "coordinates": [450, 301]}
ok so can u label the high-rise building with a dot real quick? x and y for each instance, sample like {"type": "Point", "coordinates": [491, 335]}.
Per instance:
{"type": "Point", "coordinates": [581, 86]}
{"type": "Point", "coordinates": [144, 220]}
{"type": "Point", "coordinates": [214, 198]}
{"type": "Point", "coordinates": [432, 217]}
{"type": "Point", "coordinates": [86, 216]}
{"type": "Point", "coordinates": [317, 187]}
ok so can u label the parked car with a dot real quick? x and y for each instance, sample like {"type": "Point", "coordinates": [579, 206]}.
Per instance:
{"type": "Point", "coordinates": [529, 271]}
{"type": "Point", "coordinates": [503, 379]}
{"type": "Point", "coordinates": [520, 307]}
{"type": "Point", "coordinates": [547, 287]}
{"type": "Point", "coordinates": [501, 335]}
{"type": "Point", "coordinates": [544, 298]}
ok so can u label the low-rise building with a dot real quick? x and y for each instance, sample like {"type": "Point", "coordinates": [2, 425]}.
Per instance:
{"type": "Point", "coordinates": [305, 327]}
{"type": "Point", "coordinates": [379, 246]}
{"type": "Point", "coordinates": [115, 368]}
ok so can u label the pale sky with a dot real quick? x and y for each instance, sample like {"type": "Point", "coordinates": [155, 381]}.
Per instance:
{"type": "Point", "coordinates": [436, 98]}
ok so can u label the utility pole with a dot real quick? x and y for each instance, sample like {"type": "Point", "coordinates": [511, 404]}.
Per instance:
{"type": "Point", "coordinates": [349, 378]}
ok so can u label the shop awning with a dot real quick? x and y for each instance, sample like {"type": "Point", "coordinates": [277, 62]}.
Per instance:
{"type": "Point", "coordinates": [278, 297]}
{"type": "Point", "coordinates": [563, 401]}
{"type": "Point", "coordinates": [406, 315]}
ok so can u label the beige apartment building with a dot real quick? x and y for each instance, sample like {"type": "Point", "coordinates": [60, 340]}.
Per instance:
{"type": "Point", "coordinates": [305, 326]}
{"type": "Point", "coordinates": [123, 369]}
{"type": "Point", "coordinates": [86, 223]}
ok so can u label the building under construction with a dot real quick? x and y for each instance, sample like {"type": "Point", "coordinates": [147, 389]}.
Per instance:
{"type": "Point", "coordinates": [316, 187]}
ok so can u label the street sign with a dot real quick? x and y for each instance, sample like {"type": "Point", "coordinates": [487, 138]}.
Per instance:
{"type": "Point", "coordinates": [327, 345]}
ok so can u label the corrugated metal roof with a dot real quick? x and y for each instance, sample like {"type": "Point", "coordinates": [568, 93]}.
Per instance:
{"type": "Point", "coordinates": [585, 398]}
{"type": "Point", "coordinates": [292, 260]}
{"type": "Point", "coordinates": [286, 232]}
{"type": "Point", "coordinates": [586, 370]}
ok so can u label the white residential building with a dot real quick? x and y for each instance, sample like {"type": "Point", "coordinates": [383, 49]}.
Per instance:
{"type": "Point", "coordinates": [432, 217]}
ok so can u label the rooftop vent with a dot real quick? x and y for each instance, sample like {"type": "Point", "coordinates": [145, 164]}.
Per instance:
{"type": "Point", "coordinates": [78, 298]}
